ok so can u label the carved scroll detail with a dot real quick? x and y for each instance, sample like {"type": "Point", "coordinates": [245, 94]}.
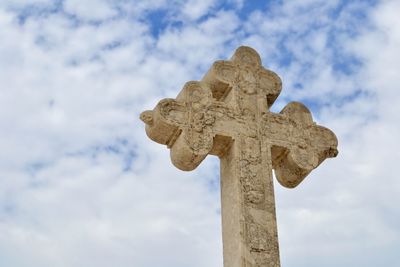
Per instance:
{"type": "Point", "coordinates": [259, 239]}
{"type": "Point", "coordinates": [198, 132]}
{"type": "Point", "coordinates": [252, 183]}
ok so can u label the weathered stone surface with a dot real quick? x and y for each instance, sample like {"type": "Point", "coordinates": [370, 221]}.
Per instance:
{"type": "Point", "coordinates": [227, 114]}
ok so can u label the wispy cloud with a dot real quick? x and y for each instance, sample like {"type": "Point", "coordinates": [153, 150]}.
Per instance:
{"type": "Point", "coordinates": [80, 183]}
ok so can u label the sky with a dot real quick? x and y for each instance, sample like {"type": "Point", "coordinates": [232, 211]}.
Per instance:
{"type": "Point", "coordinates": [81, 185]}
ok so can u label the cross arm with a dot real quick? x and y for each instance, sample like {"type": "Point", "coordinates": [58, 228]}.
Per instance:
{"type": "Point", "coordinates": [299, 145]}
{"type": "Point", "coordinates": [184, 125]}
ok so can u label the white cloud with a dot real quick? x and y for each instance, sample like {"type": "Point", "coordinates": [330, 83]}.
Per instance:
{"type": "Point", "coordinates": [81, 184]}
{"type": "Point", "coordinates": [194, 9]}
{"type": "Point", "coordinates": [89, 9]}
{"type": "Point", "coordinates": [72, 94]}
{"type": "Point", "coordinates": [348, 208]}
{"type": "Point", "coordinates": [199, 44]}
{"type": "Point", "coordinates": [17, 4]}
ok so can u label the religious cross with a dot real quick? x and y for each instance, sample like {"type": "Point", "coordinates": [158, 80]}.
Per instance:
{"type": "Point", "coordinates": [227, 114]}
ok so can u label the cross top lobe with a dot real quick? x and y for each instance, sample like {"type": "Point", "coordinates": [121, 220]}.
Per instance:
{"type": "Point", "coordinates": [233, 99]}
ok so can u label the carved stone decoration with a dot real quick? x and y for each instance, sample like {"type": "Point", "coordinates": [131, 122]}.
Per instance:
{"type": "Point", "coordinates": [227, 114]}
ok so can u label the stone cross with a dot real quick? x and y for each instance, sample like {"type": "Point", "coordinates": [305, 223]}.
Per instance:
{"type": "Point", "coordinates": [227, 114]}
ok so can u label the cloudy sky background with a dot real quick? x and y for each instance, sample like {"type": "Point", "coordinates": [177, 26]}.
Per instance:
{"type": "Point", "coordinates": [80, 183]}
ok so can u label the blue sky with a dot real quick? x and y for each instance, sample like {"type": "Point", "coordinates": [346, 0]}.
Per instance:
{"type": "Point", "coordinates": [82, 185]}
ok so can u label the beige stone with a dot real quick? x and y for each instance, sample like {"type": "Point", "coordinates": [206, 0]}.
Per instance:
{"type": "Point", "coordinates": [227, 114]}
